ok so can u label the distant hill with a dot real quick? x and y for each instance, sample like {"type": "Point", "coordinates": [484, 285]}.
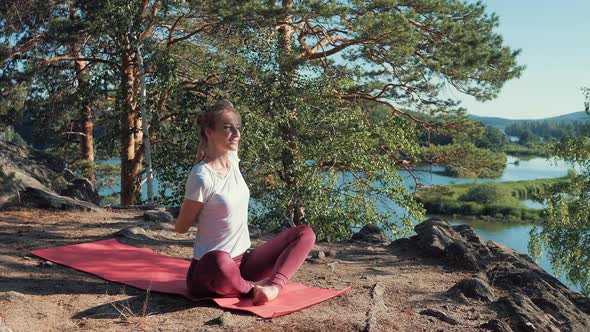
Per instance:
{"type": "Point", "coordinates": [502, 123]}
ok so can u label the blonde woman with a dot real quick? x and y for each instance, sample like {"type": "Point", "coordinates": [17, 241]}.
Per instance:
{"type": "Point", "coordinates": [217, 196]}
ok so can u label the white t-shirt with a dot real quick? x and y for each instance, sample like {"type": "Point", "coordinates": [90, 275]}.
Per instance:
{"type": "Point", "coordinates": [223, 220]}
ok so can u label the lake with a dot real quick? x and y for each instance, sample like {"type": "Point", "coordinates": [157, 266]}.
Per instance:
{"type": "Point", "coordinates": [526, 169]}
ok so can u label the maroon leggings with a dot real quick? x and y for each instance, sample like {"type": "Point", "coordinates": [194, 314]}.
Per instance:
{"type": "Point", "coordinates": [217, 274]}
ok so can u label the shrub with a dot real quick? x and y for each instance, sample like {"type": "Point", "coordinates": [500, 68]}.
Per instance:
{"type": "Point", "coordinates": [488, 193]}
{"type": "Point", "coordinates": [471, 208]}
{"type": "Point", "coordinates": [571, 173]}
{"type": "Point", "coordinates": [451, 207]}
{"type": "Point", "coordinates": [513, 212]}
{"type": "Point", "coordinates": [528, 214]}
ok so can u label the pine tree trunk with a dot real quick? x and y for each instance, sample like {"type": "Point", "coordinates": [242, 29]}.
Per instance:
{"type": "Point", "coordinates": [87, 142]}
{"type": "Point", "coordinates": [291, 156]}
{"type": "Point", "coordinates": [130, 133]}
{"type": "Point", "coordinates": [86, 123]}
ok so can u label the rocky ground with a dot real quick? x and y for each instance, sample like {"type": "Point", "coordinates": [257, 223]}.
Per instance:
{"type": "Point", "coordinates": [444, 279]}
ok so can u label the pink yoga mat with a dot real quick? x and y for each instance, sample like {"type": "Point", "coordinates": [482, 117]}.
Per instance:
{"type": "Point", "coordinates": [145, 269]}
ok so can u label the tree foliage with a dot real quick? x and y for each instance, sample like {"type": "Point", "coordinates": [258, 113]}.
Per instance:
{"type": "Point", "coordinates": [303, 73]}
{"type": "Point", "coordinates": [549, 130]}
{"type": "Point", "coordinates": [465, 160]}
{"type": "Point", "coordinates": [566, 234]}
{"type": "Point", "coordinates": [492, 139]}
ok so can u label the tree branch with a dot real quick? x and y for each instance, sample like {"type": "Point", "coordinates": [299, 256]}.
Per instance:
{"type": "Point", "coordinates": [153, 14]}
{"type": "Point", "coordinates": [365, 96]}
{"type": "Point", "coordinates": [75, 58]}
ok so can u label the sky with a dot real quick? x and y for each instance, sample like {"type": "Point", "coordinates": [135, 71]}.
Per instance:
{"type": "Point", "coordinates": [554, 37]}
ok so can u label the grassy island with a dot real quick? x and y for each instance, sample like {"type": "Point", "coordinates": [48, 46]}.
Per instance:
{"type": "Point", "coordinates": [490, 200]}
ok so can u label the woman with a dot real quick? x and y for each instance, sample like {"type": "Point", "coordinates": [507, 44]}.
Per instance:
{"type": "Point", "coordinates": [216, 196]}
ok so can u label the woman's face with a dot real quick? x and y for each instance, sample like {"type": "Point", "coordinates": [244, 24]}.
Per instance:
{"type": "Point", "coordinates": [226, 133]}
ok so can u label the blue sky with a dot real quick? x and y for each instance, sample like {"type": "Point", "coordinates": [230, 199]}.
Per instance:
{"type": "Point", "coordinates": [555, 40]}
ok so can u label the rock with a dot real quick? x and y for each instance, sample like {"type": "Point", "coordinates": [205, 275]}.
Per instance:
{"type": "Point", "coordinates": [134, 233]}
{"type": "Point", "coordinates": [69, 175]}
{"type": "Point", "coordinates": [437, 238]}
{"type": "Point", "coordinates": [39, 198]}
{"type": "Point", "coordinates": [468, 233]}
{"type": "Point", "coordinates": [536, 297]}
{"type": "Point", "coordinates": [474, 288]}
{"type": "Point", "coordinates": [331, 253]}
{"type": "Point", "coordinates": [46, 264]}
{"type": "Point", "coordinates": [333, 266]}
{"type": "Point", "coordinates": [144, 207]}
{"type": "Point", "coordinates": [12, 296]}
{"type": "Point", "coordinates": [434, 235]}
{"type": "Point", "coordinates": [226, 319]}
{"type": "Point", "coordinates": [318, 254]}
{"type": "Point", "coordinates": [440, 315]}
{"type": "Point", "coordinates": [82, 189]}
{"type": "Point", "coordinates": [157, 207]}
{"type": "Point", "coordinates": [370, 233]}
{"type": "Point", "coordinates": [158, 216]}
{"type": "Point", "coordinates": [377, 308]}
{"type": "Point", "coordinates": [35, 169]}
{"type": "Point", "coordinates": [536, 301]}
{"type": "Point", "coordinates": [526, 317]}
{"type": "Point", "coordinates": [496, 326]}
{"type": "Point", "coordinates": [462, 256]}
{"type": "Point", "coordinates": [174, 211]}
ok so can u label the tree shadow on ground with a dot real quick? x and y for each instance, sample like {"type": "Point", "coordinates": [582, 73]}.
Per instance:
{"type": "Point", "coordinates": [147, 304]}
{"type": "Point", "coordinates": [61, 284]}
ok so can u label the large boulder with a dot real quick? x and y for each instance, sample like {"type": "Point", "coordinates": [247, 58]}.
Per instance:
{"type": "Point", "coordinates": [158, 216]}
{"type": "Point", "coordinates": [35, 178]}
{"type": "Point", "coordinates": [475, 288]}
{"type": "Point", "coordinates": [534, 300]}
{"type": "Point", "coordinates": [82, 189]}
{"type": "Point", "coordinates": [41, 199]}
{"type": "Point", "coordinates": [21, 167]}
{"type": "Point", "coordinates": [460, 246]}
{"type": "Point", "coordinates": [370, 233]}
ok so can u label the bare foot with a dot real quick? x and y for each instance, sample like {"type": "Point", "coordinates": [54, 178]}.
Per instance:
{"type": "Point", "coordinates": [263, 294]}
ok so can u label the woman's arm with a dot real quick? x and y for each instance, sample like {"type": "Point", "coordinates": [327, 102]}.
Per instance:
{"type": "Point", "coordinates": [188, 214]}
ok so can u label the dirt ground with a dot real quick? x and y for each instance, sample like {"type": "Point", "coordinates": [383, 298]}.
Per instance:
{"type": "Point", "coordinates": [57, 298]}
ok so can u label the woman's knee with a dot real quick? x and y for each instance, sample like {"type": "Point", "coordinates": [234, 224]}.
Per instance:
{"type": "Point", "coordinates": [216, 260]}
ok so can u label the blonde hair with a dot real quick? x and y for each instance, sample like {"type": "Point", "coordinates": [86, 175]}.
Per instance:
{"type": "Point", "coordinates": [209, 117]}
